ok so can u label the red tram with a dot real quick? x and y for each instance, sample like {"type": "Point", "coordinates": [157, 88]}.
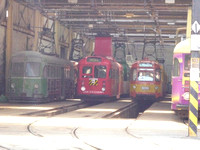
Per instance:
{"type": "Point", "coordinates": [147, 80]}
{"type": "Point", "coordinates": [99, 78]}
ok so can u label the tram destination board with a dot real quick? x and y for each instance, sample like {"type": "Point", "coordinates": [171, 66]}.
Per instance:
{"type": "Point", "coordinates": [93, 59]}
{"type": "Point", "coordinates": [145, 65]}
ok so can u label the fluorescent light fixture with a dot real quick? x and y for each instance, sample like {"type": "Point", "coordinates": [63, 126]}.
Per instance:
{"type": "Point", "coordinates": [171, 36]}
{"type": "Point", "coordinates": [169, 1]}
{"type": "Point", "coordinates": [90, 25]}
{"type": "Point", "coordinates": [171, 23]}
{"type": "Point", "coordinates": [129, 15]}
{"type": "Point", "coordinates": [72, 1]}
{"type": "Point", "coordinates": [99, 22]}
{"type": "Point", "coordinates": [7, 14]}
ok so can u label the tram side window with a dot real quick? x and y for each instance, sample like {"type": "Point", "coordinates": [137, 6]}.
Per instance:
{"type": "Point", "coordinates": [45, 71]}
{"type": "Point", "coordinates": [32, 69]}
{"type": "Point", "coordinates": [57, 71]}
{"type": "Point", "coordinates": [187, 62]}
{"type": "Point", "coordinates": [52, 71]}
{"type": "Point", "coordinates": [67, 72]}
{"type": "Point", "coordinates": [176, 67]}
{"type": "Point", "coordinates": [48, 71]}
{"type": "Point", "coordinates": [17, 69]}
{"type": "Point", "coordinates": [134, 74]}
{"type": "Point", "coordinates": [157, 75]}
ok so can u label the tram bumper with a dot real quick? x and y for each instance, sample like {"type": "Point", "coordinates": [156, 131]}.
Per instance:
{"type": "Point", "coordinates": [93, 96]}
{"type": "Point", "coordinates": [23, 97]}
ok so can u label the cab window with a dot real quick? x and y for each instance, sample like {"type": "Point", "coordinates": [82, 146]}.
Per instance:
{"type": "Point", "coordinates": [100, 71]}
{"type": "Point", "coordinates": [87, 70]}
{"type": "Point", "coordinates": [176, 67]}
{"type": "Point", "coordinates": [32, 69]}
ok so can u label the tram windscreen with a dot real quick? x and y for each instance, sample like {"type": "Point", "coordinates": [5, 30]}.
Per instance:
{"type": "Point", "coordinates": [17, 69]}
{"type": "Point", "coordinates": [32, 69]}
{"type": "Point", "coordinates": [145, 76]}
{"type": "Point", "coordinates": [100, 71]}
{"type": "Point", "coordinates": [87, 70]}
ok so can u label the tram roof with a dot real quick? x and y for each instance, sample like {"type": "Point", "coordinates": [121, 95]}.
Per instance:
{"type": "Point", "coordinates": [183, 46]}
{"type": "Point", "coordinates": [47, 58]}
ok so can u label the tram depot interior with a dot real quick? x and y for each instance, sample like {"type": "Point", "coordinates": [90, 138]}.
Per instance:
{"type": "Point", "coordinates": [145, 26]}
{"type": "Point", "coordinates": [67, 28]}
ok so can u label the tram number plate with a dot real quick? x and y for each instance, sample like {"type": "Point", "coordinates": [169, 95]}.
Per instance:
{"type": "Point", "coordinates": [145, 88]}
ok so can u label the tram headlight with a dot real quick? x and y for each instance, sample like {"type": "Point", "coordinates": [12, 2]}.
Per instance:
{"type": "Point", "coordinates": [186, 95]}
{"type": "Point", "coordinates": [36, 86]}
{"type": "Point", "coordinates": [103, 89]}
{"type": "Point", "coordinates": [134, 86]}
{"type": "Point", "coordinates": [12, 85]}
{"type": "Point", "coordinates": [82, 88]}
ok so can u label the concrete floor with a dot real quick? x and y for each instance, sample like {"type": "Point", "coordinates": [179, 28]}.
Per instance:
{"type": "Point", "coordinates": [157, 128]}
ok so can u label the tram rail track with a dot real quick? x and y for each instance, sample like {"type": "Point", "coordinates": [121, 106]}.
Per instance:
{"type": "Point", "coordinates": [40, 127]}
{"type": "Point", "coordinates": [75, 135]}
{"type": "Point", "coordinates": [59, 110]}
{"type": "Point", "coordinates": [73, 130]}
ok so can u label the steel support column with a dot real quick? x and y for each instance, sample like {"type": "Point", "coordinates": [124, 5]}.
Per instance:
{"type": "Point", "coordinates": [9, 32]}
{"type": "Point", "coordinates": [194, 70]}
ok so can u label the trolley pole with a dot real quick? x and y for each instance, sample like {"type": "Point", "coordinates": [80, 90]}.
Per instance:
{"type": "Point", "coordinates": [194, 70]}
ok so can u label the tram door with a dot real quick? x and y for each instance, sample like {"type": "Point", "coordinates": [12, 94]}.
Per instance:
{"type": "Point", "coordinates": [176, 80]}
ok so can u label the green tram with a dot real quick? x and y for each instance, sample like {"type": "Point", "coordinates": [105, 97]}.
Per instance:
{"type": "Point", "coordinates": [35, 77]}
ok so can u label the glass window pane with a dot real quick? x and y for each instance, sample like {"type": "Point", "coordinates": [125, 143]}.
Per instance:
{"type": "Point", "coordinates": [145, 76]}
{"type": "Point", "coordinates": [17, 69]}
{"type": "Point", "coordinates": [67, 72]}
{"type": "Point", "coordinates": [45, 71]}
{"type": "Point", "coordinates": [100, 72]}
{"type": "Point", "coordinates": [187, 62]}
{"type": "Point", "coordinates": [87, 70]}
{"type": "Point", "coordinates": [134, 74]}
{"type": "Point", "coordinates": [158, 75]}
{"type": "Point", "coordinates": [32, 69]}
{"type": "Point", "coordinates": [176, 68]}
